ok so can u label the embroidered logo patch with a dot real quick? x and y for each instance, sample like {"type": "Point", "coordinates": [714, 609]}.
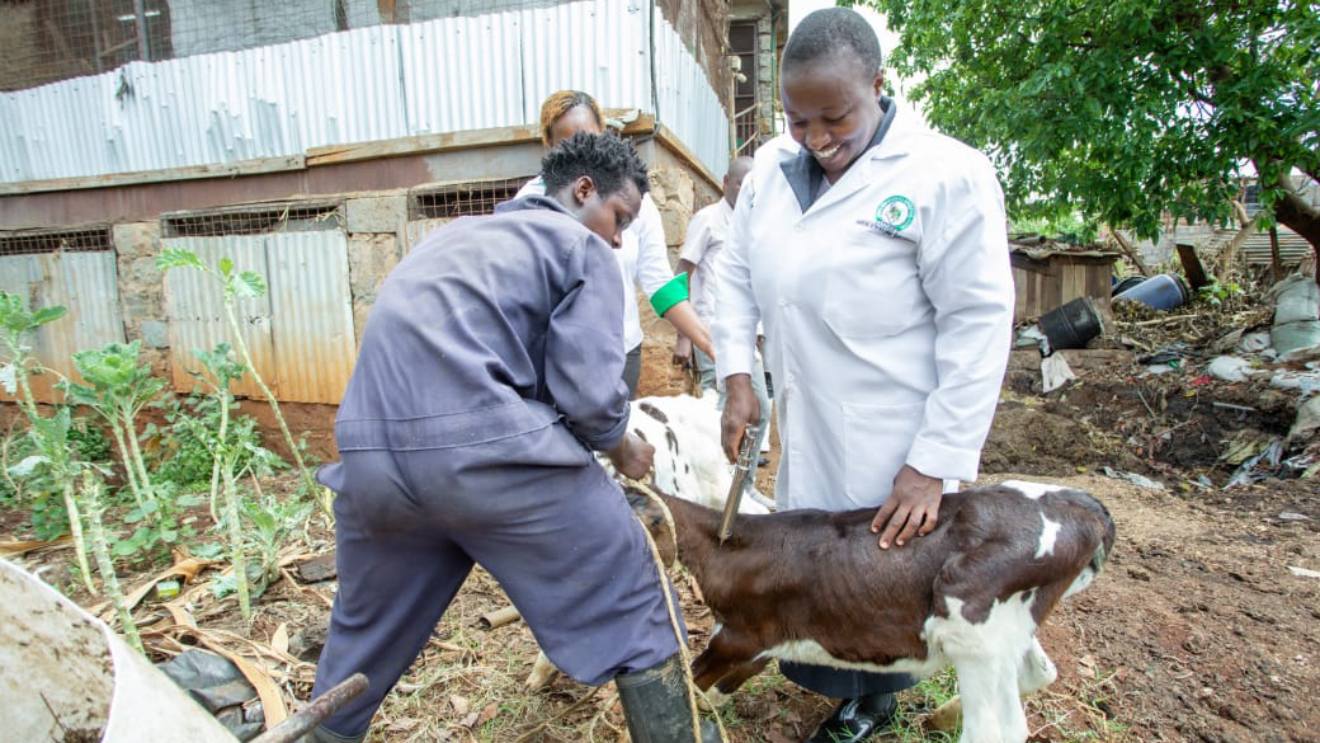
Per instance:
{"type": "Point", "coordinates": [896, 213]}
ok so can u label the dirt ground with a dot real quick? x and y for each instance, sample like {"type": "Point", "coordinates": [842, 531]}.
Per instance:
{"type": "Point", "coordinates": [1197, 631]}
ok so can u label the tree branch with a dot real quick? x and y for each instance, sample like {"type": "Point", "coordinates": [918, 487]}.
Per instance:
{"type": "Point", "coordinates": [1296, 213]}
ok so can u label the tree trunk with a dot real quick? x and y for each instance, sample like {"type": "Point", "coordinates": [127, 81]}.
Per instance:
{"type": "Point", "coordinates": [1295, 213]}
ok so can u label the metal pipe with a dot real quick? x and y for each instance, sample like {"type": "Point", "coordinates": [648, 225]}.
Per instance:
{"type": "Point", "coordinates": [307, 718]}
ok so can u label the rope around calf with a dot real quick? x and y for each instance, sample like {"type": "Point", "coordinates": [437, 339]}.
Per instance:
{"type": "Point", "coordinates": [692, 689]}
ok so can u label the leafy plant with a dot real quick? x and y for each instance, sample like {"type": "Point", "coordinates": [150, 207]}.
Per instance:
{"type": "Point", "coordinates": [118, 388]}
{"type": "Point", "coordinates": [236, 454]}
{"type": "Point", "coordinates": [273, 520]}
{"type": "Point", "coordinates": [238, 285]}
{"type": "Point", "coordinates": [50, 436]}
{"type": "Point", "coordinates": [94, 506]}
{"type": "Point", "coordinates": [1216, 293]}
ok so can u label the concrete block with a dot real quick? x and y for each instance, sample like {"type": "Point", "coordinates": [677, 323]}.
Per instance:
{"type": "Point", "coordinates": [370, 260]}
{"type": "Point", "coordinates": [136, 239]}
{"type": "Point", "coordinates": [377, 213]}
{"type": "Point", "coordinates": [155, 334]}
{"type": "Point", "coordinates": [675, 218]}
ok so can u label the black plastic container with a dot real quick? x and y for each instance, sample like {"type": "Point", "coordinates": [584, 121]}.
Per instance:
{"type": "Point", "coordinates": [1073, 325]}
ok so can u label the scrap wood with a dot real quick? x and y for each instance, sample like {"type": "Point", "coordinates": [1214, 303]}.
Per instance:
{"type": "Point", "coordinates": [279, 639]}
{"type": "Point", "coordinates": [499, 617]}
{"type": "Point", "coordinates": [306, 589]}
{"type": "Point", "coordinates": [22, 547]}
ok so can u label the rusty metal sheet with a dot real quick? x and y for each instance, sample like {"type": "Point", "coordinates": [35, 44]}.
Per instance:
{"type": "Point", "coordinates": [82, 282]}
{"type": "Point", "coordinates": [195, 307]}
{"type": "Point", "coordinates": [300, 334]}
{"type": "Point", "coordinates": [312, 314]}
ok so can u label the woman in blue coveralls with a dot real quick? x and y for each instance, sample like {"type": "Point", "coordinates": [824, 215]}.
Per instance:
{"type": "Point", "coordinates": [491, 368]}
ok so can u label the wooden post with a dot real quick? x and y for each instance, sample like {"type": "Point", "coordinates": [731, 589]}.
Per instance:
{"type": "Point", "coordinates": [140, 12]}
{"type": "Point", "coordinates": [96, 36]}
{"type": "Point", "coordinates": [1191, 264]}
{"type": "Point", "coordinates": [1130, 252]}
{"type": "Point", "coordinates": [1276, 261]}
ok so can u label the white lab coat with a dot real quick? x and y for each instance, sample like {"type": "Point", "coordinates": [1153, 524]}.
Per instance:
{"type": "Point", "coordinates": [643, 260]}
{"type": "Point", "coordinates": [888, 313]}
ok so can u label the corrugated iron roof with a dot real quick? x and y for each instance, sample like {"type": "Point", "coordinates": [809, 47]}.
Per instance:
{"type": "Point", "coordinates": [367, 84]}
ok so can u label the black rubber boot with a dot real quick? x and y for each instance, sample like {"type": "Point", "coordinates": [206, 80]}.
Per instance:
{"type": "Point", "coordinates": [856, 720]}
{"type": "Point", "coordinates": [655, 703]}
{"type": "Point", "coordinates": [322, 735]}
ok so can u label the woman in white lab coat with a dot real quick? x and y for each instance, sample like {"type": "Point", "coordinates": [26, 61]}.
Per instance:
{"type": "Point", "coordinates": [874, 252]}
{"type": "Point", "coordinates": [643, 258]}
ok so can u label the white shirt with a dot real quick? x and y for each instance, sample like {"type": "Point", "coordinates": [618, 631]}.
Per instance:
{"type": "Point", "coordinates": [643, 260]}
{"type": "Point", "coordinates": [706, 234]}
{"type": "Point", "coordinates": [888, 311]}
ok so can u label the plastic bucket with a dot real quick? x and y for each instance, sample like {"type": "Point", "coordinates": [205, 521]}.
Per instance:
{"type": "Point", "coordinates": [1122, 286]}
{"type": "Point", "coordinates": [1162, 292]}
{"type": "Point", "coordinates": [1072, 325]}
{"type": "Point", "coordinates": [63, 669]}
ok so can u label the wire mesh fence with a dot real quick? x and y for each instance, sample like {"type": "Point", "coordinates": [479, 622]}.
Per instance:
{"type": "Point", "coordinates": [464, 199]}
{"type": "Point", "coordinates": [254, 220]}
{"type": "Point", "coordinates": [33, 242]}
{"type": "Point", "coordinates": [44, 41]}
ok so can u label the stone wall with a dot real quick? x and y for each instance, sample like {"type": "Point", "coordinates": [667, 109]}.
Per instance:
{"type": "Point", "coordinates": [142, 291]}
{"type": "Point", "coordinates": [375, 230]}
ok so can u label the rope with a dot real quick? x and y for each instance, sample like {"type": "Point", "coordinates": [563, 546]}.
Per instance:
{"type": "Point", "coordinates": [692, 689]}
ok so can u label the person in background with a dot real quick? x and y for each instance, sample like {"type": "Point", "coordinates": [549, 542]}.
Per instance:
{"type": "Point", "coordinates": [707, 233]}
{"type": "Point", "coordinates": [491, 368]}
{"type": "Point", "coordinates": [643, 258]}
{"type": "Point", "coordinates": [875, 253]}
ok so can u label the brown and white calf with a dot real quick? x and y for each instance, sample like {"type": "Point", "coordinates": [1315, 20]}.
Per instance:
{"type": "Point", "coordinates": [689, 461]}
{"type": "Point", "coordinates": [813, 586]}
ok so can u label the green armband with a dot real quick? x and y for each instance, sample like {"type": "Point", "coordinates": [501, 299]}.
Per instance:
{"type": "Point", "coordinates": [670, 294]}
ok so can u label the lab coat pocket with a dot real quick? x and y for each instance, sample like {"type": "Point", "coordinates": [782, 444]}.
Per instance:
{"type": "Point", "coordinates": [875, 445]}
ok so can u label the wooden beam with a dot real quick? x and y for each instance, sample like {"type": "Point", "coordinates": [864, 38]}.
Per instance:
{"type": "Point", "coordinates": [421, 145]}
{"type": "Point", "coordinates": [1276, 261]}
{"type": "Point", "coordinates": [1130, 252]}
{"type": "Point", "coordinates": [675, 145]}
{"type": "Point", "coordinates": [426, 144]}
{"type": "Point", "coordinates": [193, 172]}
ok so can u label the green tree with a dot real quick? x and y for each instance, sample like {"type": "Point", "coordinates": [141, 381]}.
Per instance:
{"type": "Point", "coordinates": [1126, 109]}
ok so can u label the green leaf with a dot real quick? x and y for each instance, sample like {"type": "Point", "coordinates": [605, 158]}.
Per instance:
{"type": "Point", "coordinates": [171, 258]}
{"type": "Point", "coordinates": [47, 315]}
{"type": "Point", "coordinates": [207, 550]}
{"type": "Point", "coordinates": [248, 284]}
{"type": "Point", "coordinates": [226, 266]}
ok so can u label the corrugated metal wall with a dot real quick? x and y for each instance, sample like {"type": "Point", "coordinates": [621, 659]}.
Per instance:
{"type": "Point", "coordinates": [366, 84]}
{"type": "Point", "coordinates": [300, 334]}
{"type": "Point", "coordinates": [83, 282]}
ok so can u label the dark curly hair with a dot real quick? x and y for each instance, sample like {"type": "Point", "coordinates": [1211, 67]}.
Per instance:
{"type": "Point", "coordinates": [823, 33]}
{"type": "Point", "coordinates": [607, 159]}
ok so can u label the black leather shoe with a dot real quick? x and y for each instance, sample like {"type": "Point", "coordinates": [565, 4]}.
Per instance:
{"type": "Point", "coordinates": [855, 720]}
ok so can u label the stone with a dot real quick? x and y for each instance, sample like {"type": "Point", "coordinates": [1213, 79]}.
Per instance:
{"type": "Point", "coordinates": [134, 239]}
{"type": "Point", "coordinates": [380, 214]}
{"type": "Point", "coordinates": [675, 221]}
{"type": "Point", "coordinates": [370, 260]}
{"type": "Point", "coordinates": [155, 334]}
